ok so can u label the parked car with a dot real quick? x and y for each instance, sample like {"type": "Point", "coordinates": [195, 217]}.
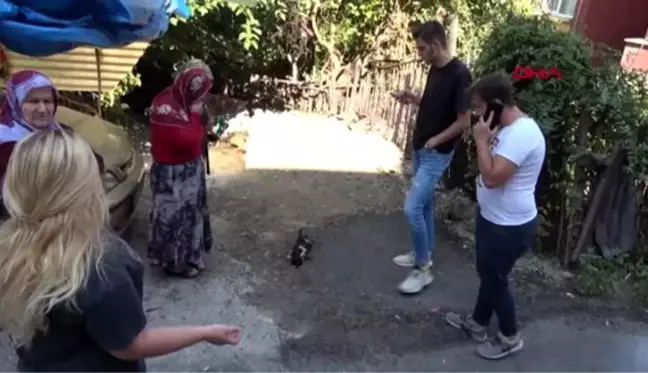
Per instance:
{"type": "Point", "coordinates": [124, 168]}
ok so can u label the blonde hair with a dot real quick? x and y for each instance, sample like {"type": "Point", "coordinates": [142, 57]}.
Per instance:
{"type": "Point", "coordinates": [53, 193]}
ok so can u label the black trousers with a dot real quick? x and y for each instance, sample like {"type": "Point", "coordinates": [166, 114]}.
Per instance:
{"type": "Point", "coordinates": [498, 248]}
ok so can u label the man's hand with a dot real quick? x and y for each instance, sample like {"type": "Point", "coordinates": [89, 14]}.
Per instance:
{"type": "Point", "coordinates": [407, 97]}
{"type": "Point", "coordinates": [482, 131]}
{"type": "Point", "coordinates": [431, 143]}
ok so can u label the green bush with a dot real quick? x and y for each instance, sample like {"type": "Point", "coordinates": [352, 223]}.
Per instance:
{"type": "Point", "coordinates": [598, 277]}
{"type": "Point", "coordinates": [594, 107]}
{"type": "Point", "coordinates": [639, 270]}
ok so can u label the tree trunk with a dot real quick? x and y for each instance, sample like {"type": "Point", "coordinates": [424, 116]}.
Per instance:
{"type": "Point", "coordinates": [294, 68]}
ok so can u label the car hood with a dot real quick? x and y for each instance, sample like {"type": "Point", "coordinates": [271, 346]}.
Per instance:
{"type": "Point", "coordinates": [106, 139]}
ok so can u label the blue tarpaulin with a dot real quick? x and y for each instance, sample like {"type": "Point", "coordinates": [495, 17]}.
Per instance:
{"type": "Point", "coordinates": [41, 28]}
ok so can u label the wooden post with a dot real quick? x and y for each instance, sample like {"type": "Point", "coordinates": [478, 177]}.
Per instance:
{"type": "Point", "coordinates": [410, 109]}
{"type": "Point", "coordinates": [602, 189]}
{"type": "Point", "coordinates": [408, 86]}
{"type": "Point", "coordinates": [99, 82]}
{"type": "Point", "coordinates": [333, 92]}
{"type": "Point", "coordinates": [453, 34]}
{"type": "Point", "coordinates": [393, 106]}
{"type": "Point", "coordinates": [363, 94]}
{"type": "Point", "coordinates": [353, 94]}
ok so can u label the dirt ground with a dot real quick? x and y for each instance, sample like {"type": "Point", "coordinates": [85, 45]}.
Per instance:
{"type": "Point", "coordinates": [349, 286]}
{"type": "Point", "coordinates": [228, 155]}
{"type": "Point", "coordinates": [341, 311]}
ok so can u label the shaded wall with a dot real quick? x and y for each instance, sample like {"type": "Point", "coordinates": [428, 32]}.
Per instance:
{"type": "Point", "coordinates": [611, 21]}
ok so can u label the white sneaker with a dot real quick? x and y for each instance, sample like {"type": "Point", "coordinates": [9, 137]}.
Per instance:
{"type": "Point", "coordinates": [407, 260]}
{"type": "Point", "coordinates": [417, 280]}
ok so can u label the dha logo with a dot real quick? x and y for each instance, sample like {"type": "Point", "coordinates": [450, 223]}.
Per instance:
{"type": "Point", "coordinates": [528, 72]}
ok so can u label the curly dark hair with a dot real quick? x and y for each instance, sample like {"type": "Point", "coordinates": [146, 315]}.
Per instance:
{"type": "Point", "coordinates": [492, 87]}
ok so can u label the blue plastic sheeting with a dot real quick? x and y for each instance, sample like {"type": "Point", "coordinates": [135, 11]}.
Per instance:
{"type": "Point", "coordinates": [41, 28]}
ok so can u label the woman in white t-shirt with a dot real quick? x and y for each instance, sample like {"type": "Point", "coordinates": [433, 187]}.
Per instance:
{"type": "Point", "coordinates": [510, 154]}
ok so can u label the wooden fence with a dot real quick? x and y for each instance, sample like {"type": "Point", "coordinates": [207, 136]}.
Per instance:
{"type": "Point", "coordinates": [594, 208]}
{"type": "Point", "coordinates": [365, 99]}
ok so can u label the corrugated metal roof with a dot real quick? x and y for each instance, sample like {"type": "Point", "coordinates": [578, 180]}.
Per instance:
{"type": "Point", "coordinates": [76, 70]}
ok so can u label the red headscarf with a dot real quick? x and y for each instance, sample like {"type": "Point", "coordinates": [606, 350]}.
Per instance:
{"type": "Point", "coordinates": [173, 106]}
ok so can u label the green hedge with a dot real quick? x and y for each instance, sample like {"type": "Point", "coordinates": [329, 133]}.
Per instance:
{"type": "Point", "coordinates": [595, 106]}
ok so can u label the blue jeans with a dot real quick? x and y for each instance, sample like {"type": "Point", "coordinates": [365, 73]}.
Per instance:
{"type": "Point", "coordinates": [429, 166]}
{"type": "Point", "coordinates": [498, 248]}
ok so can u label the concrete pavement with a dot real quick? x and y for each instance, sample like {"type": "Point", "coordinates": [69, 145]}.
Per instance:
{"type": "Point", "coordinates": [341, 312]}
{"type": "Point", "coordinates": [352, 318]}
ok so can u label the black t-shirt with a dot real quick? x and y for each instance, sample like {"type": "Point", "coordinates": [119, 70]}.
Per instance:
{"type": "Point", "coordinates": [109, 318]}
{"type": "Point", "coordinates": [444, 96]}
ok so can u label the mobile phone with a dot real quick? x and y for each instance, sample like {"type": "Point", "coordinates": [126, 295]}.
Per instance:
{"type": "Point", "coordinates": [496, 108]}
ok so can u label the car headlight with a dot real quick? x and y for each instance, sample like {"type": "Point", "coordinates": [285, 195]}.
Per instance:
{"type": "Point", "coordinates": [109, 181]}
{"type": "Point", "coordinates": [115, 175]}
{"type": "Point", "coordinates": [127, 168]}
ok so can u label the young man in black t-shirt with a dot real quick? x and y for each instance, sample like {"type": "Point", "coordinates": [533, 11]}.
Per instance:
{"type": "Point", "coordinates": [443, 115]}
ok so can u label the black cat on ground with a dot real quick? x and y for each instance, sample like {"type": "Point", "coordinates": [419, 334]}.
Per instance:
{"type": "Point", "coordinates": [301, 250]}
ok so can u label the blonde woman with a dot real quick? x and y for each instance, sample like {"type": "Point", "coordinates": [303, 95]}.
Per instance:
{"type": "Point", "coordinates": [71, 293]}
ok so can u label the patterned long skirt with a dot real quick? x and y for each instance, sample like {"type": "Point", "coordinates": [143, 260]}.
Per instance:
{"type": "Point", "coordinates": [179, 231]}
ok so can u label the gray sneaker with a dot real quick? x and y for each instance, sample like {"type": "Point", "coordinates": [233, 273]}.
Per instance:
{"type": "Point", "coordinates": [417, 280]}
{"type": "Point", "coordinates": [468, 325]}
{"type": "Point", "coordinates": [407, 260]}
{"type": "Point", "coordinates": [500, 347]}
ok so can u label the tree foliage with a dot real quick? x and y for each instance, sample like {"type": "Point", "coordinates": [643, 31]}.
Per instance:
{"type": "Point", "coordinates": [322, 34]}
{"type": "Point", "coordinates": [595, 107]}
{"type": "Point", "coordinates": [595, 93]}
{"type": "Point", "coordinates": [317, 40]}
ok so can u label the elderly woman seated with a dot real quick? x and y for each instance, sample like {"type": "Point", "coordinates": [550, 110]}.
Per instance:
{"type": "Point", "coordinates": [29, 105]}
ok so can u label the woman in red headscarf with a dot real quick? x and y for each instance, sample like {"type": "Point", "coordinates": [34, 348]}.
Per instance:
{"type": "Point", "coordinates": [29, 105]}
{"type": "Point", "coordinates": [179, 232]}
